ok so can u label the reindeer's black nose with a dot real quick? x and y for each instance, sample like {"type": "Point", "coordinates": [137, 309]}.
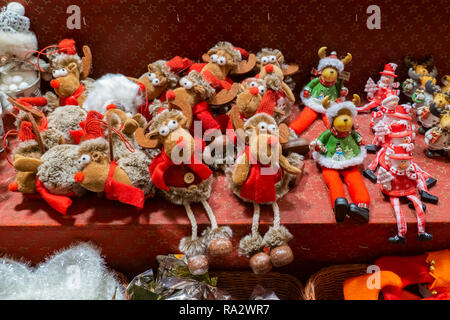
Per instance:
{"type": "Point", "coordinates": [345, 119]}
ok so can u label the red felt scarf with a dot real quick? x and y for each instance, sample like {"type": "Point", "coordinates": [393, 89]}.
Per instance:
{"type": "Point", "coordinates": [58, 202]}
{"type": "Point", "coordinates": [259, 187]}
{"type": "Point", "coordinates": [115, 190]}
{"type": "Point", "coordinates": [72, 100]}
{"type": "Point", "coordinates": [163, 162]}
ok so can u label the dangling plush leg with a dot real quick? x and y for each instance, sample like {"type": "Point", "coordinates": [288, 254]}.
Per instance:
{"type": "Point", "coordinates": [216, 239]}
{"type": "Point", "coordinates": [194, 247]}
{"type": "Point", "coordinates": [303, 121]}
{"type": "Point", "coordinates": [337, 193]}
{"type": "Point", "coordinates": [277, 238]}
{"type": "Point", "coordinates": [401, 222]}
{"type": "Point", "coordinates": [359, 210]}
{"type": "Point", "coordinates": [252, 244]}
{"type": "Point", "coordinates": [422, 235]}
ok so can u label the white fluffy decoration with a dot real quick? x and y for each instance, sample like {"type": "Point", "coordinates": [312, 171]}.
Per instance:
{"type": "Point", "coordinates": [326, 162]}
{"type": "Point", "coordinates": [330, 62]}
{"type": "Point", "coordinates": [17, 43]}
{"type": "Point", "coordinates": [77, 273]}
{"type": "Point", "coordinates": [116, 89]}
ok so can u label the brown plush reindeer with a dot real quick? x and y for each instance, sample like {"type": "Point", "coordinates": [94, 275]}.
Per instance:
{"type": "Point", "coordinates": [182, 178]}
{"type": "Point", "coordinates": [101, 173]}
{"type": "Point", "coordinates": [223, 60]}
{"type": "Point", "coordinates": [69, 70]}
{"type": "Point", "coordinates": [262, 175]}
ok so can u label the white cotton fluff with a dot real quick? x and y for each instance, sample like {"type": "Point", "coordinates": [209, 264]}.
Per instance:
{"type": "Point", "coordinates": [114, 89]}
{"type": "Point", "coordinates": [77, 273]}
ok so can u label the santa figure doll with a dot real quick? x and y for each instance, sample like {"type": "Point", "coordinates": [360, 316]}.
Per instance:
{"type": "Point", "coordinates": [398, 177]}
{"type": "Point", "coordinates": [385, 87]}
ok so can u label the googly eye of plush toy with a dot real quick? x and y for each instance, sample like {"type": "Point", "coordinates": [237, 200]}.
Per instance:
{"type": "Point", "coordinates": [173, 124]}
{"type": "Point", "coordinates": [272, 128]}
{"type": "Point", "coordinates": [214, 57]}
{"type": "Point", "coordinates": [262, 89]}
{"type": "Point", "coordinates": [84, 159]}
{"type": "Point", "coordinates": [164, 131]}
{"type": "Point", "coordinates": [262, 126]}
{"type": "Point", "coordinates": [156, 81]}
{"type": "Point", "coordinates": [152, 76]}
{"type": "Point", "coordinates": [221, 61]}
{"type": "Point", "coordinates": [265, 60]}
{"type": "Point", "coordinates": [253, 84]}
{"type": "Point", "coordinates": [273, 59]}
{"type": "Point", "coordinates": [186, 83]}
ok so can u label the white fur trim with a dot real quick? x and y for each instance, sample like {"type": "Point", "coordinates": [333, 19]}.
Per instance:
{"type": "Point", "coordinates": [330, 62]}
{"type": "Point", "coordinates": [333, 110]}
{"type": "Point", "coordinates": [334, 164]}
{"type": "Point", "coordinates": [117, 89]}
{"type": "Point", "coordinates": [17, 43]}
{"type": "Point", "coordinates": [312, 103]}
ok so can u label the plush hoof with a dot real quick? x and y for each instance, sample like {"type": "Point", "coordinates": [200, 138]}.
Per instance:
{"type": "Point", "coordinates": [422, 130]}
{"type": "Point", "coordinates": [198, 265]}
{"type": "Point", "coordinates": [260, 263]}
{"type": "Point", "coordinates": [431, 182]}
{"type": "Point", "coordinates": [428, 197]}
{"type": "Point", "coordinates": [300, 146]}
{"type": "Point", "coordinates": [424, 236]}
{"type": "Point", "coordinates": [371, 148]}
{"type": "Point", "coordinates": [397, 239]}
{"type": "Point", "coordinates": [281, 256]}
{"type": "Point", "coordinates": [411, 206]}
{"type": "Point", "coordinates": [361, 215]}
{"type": "Point", "coordinates": [340, 209]}
{"type": "Point", "coordinates": [370, 175]}
{"type": "Point", "coordinates": [220, 247]}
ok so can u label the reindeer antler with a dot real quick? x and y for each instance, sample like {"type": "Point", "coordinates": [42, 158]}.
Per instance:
{"type": "Point", "coordinates": [86, 62]}
{"type": "Point", "coordinates": [246, 65]}
{"type": "Point", "coordinates": [225, 96]}
{"type": "Point", "coordinates": [347, 58]}
{"type": "Point", "coordinates": [322, 53]}
{"type": "Point", "coordinates": [409, 61]}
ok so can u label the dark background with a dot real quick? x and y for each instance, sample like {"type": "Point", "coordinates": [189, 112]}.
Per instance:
{"type": "Point", "coordinates": [126, 35]}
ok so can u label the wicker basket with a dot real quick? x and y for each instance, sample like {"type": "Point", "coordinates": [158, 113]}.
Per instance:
{"type": "Point", "coordinates": [326, 284]}
{"type": "Point", "coordinates": [241, 284]}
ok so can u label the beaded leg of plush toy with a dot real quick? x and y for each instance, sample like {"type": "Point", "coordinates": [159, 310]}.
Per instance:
{"type": "Point", "coordinates": [217, 239]}
{"type": "Point", "coordinates": [252, 244]}
{"type": "Point", "coordinates": [194, 247]}
{"type": "Point", "coordinates": [277, 238]}
{"type": "Point", "coordinates": [304, 120]}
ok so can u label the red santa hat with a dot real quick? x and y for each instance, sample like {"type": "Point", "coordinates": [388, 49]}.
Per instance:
{"type": "Point", "coordinates": [400, 154]}
{"type": "Point", "coordinates": [65, 50]}
{"type": "Point", "coordinates": [91, 128]}
{"type": "Point", "coordinates": [244, 53]}
{"type": "Point", "coordinates": [389, 70]}
{"type": "Point", "coordinates": [178, 64]}
{"type": "Point", "coordinates": [331, 61]}
{"type": "Point", "coordinates": [399, 130]}
{"type": "Point", "coordinates": [402, 112]}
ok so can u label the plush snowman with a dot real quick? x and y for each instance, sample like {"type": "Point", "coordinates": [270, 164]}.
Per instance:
{"type": "Point", "coordinates": [398, 178]}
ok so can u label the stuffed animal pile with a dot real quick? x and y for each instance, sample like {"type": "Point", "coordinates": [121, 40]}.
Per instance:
{"type": "Point", "coordinates": [161, 134]}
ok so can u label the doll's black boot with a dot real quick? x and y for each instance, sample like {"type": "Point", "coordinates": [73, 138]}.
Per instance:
{"type": "Point", "coordinates": [358, 214]}
{"type": "Point", "coordinates": [411, 206]}
{"type": "Point", "coordinates": [397, 239]}
{"type": "Point", "coordinates": [371, 148]}
{"type": "Point", "coordinates": [340, 209]}
{"type": "Point", "coordinates": [424, 236]}
{"type": "Point", "coordinates": [370, 175]}
{"type": "Point", "coordinates": [428, 197]}
{"type": "Point", "coordinates": [431, 182]}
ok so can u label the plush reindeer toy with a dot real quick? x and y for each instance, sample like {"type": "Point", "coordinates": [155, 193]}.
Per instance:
{"type": "Point", "coordinates": [261, 175]}
{"type": "Point", "coordinates": [180, 176]}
